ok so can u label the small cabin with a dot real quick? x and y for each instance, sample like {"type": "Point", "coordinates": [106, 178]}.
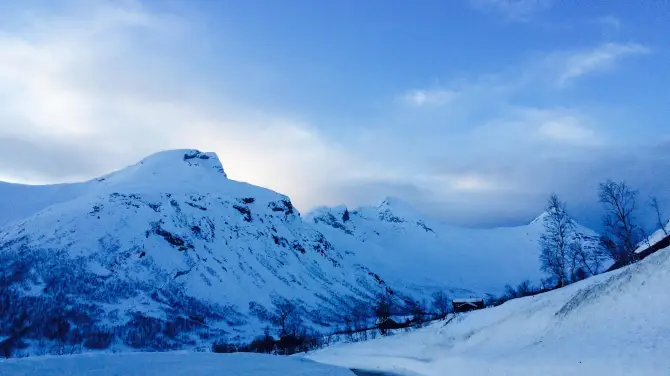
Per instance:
{"type": "Point", "coordinates": [468, 304]}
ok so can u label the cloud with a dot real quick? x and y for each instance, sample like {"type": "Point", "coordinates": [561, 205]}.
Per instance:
{"type": "Point", "coordinates": [83, 95]}
{"type": "Point", "coordinates": [92, 91]}
{"type": "Point", "coordinates": [567, 130]}
{"type": "Point", "coordinates": [517, 137]}
{"type": "Point", "coordinates": [556, 125]}
{"type": "Point", "coordinates": [514, 10]}
{"type": "Point", "coordinates": [470, 182]}
{"type": "Point", "coordinates": [428, 97]}
{"type": "Point", "coordinates": [581, 63]}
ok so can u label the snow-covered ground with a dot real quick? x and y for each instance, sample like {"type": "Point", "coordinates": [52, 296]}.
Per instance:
{"type": "Point", "coordinates": [613, 324]}
{"type": "Point", "coordinates": [168, 364]}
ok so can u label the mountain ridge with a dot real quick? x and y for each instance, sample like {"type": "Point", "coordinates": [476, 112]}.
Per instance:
{"type": "Point", "coordinates": [173, 246]}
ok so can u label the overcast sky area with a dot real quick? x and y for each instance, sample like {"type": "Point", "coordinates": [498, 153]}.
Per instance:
{"type": "Point", "coordinates": [472, 110]}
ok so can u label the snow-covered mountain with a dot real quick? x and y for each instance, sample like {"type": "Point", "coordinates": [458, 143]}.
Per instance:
{"type": "Point", "coordinates": [170, 252]}
{"type": "Point", "coordinates": [171, 245]}
{"type": "Point", "coordinates": [417, 253]}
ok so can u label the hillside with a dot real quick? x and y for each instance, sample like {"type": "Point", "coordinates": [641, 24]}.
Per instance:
{"type": "Point", "coordinates": [418, 253]}
{"type": "Point", "coordinates": [611, 324]}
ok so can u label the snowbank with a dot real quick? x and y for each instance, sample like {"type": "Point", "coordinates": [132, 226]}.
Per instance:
{"type": "Point", "coordinates": [164, 364]}
{"type": "Point", "coordinates": [612, 324]}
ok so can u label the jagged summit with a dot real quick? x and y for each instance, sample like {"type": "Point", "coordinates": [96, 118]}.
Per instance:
{"type": "Point", "coordinates": [165, 169]}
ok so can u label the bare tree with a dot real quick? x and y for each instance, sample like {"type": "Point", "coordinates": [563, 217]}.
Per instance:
{"type": "Point", "coordinates": [588, 260]}
{"type": "Point", "coordinates": [510, 292]}
{"type": "Point", "coordinates": [383, 309]}
{"type": "Point", "coordinates": [618, 200]}
{"type": "Point", "coordinates": [525, 288]}
{"type": "Point", "coordinates": [361, 312]}
{"type": "Point", "coordinates": [660, 221]}
{"type": "Point", "coordinates": [358, 317]}
{"type": "Point", "coordinates": [418, 311]}
{"type": "Point", "coordinates": [556, 241]}
{"type": "Point", "coordinates": [441, 304]}
{"type": "Point", "coordinates": [285, 315]}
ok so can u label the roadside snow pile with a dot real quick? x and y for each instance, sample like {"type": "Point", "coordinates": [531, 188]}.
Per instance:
{"type": "Point", "coordinates": [612, 324]}
{"type": "Point", "coordinates": [171, 363]}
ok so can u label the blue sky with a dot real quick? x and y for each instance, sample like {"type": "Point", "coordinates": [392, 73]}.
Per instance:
{"type": "Point", "coordinates": [472, 110]}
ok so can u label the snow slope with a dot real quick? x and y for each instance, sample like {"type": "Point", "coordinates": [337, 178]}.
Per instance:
{"type": "Point", "coordinates": [171, 363]}
{"type": "Point", "coordinates": [166, 253]}
{"type": "Point", "coordinates": [418, 253]}
{"type": "Point", "coordinates": [612, 324]}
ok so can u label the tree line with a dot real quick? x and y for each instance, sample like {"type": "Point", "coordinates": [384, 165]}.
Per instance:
{"type": "Point", "coordinates": [566, 259]}
{"type": "Point", "coordinates": [287, 332]}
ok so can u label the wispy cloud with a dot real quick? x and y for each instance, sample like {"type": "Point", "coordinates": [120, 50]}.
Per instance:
{"type": "Point", "coordinates": [509, 147]}
{"type": "Point", "coordinates": [568, 129]}
{"type": "Point", "coordinates": [513, 10]}
{"type": "Point", "coordinates": [542, 127]}
{"type": "Point", "coordinates": [577, 64]}
{"type": "Point", "coordinates": [428, 97]}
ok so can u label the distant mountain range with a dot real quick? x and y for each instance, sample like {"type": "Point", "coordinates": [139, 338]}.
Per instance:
{"type": "Point", "coordinates": [173, 248]}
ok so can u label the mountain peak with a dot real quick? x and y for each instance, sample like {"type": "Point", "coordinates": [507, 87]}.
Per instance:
{"type": "Point", "coordinates": [165, 169]}
{"type": "Point", "coordinates": [539, 219]}
{"type": "Point", "coordinates": [185, 157]}
{"type": "Point", "coordinates": [396, 210]}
